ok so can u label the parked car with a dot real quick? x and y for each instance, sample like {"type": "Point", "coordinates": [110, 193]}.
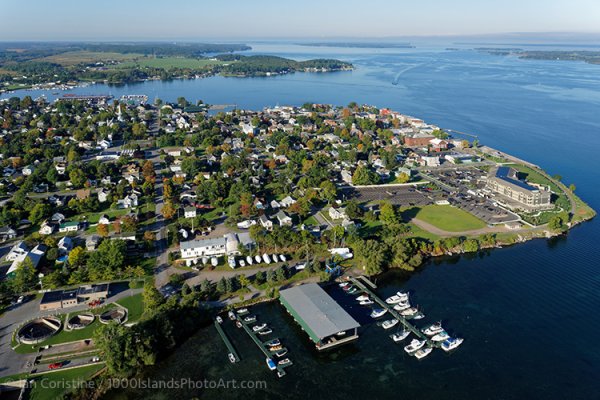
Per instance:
{"type": "Point", "coordinates": [55, 365]}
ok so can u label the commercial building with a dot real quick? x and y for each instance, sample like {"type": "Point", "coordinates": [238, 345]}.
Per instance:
{"type": "Point", "coordinates": [320, 316]}
{"type": "Point", "coordinates": [515, 193]}
{"type": "Point", "coordinates": [229, 244]}
{"type": "Point", "coordinates": [58, 299]}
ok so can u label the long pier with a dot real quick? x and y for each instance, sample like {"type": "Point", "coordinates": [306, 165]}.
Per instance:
{"type": "Point", "coordinates": [394, 313]}
{"type": "Point", "coordinates": [227, 341]}
{"type": "Point", "coordinates": [262, 346]}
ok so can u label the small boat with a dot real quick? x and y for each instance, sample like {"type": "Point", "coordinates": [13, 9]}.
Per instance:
{"type": "Point", "coordinates": [282, 258]}
{"type": "Point", "coordinates": [409, 311]}
{"type": "Point", "coordinates": [232, 358]}
{"type": "Point", "coordinates": [281, 353]}
{"type": "Point", "coordinates": [285, 361]}
{"type": "Point", "coordinates": [365, 302]}
{"type": "Point", "coordinates": [353, 290]}
{"type": "Point", "coordinates": [266, 259]}
{"type": "Point", "coordinates": [344, 284]}
{"type": "Point", "coordinates": [204, 260]}
{"type": "Point", "coordinates": [419, 316]}
{"type": "Point", "coordinates": [242, 311]}
{"type": "Point", "coordinates": [440, 337]}
{"type": "Point", "coordinates": [271, 364]}
{"type": "Point", "coordinates": [402, 306]}
{"type": "Point", "coordinates": [400, 336]}
{"type": "Point", "coordinates": [415, 345]}
{"type": "Point", "coordinates": [451, 343]}
{"type": "Point", "coordinates": [273, 342]}
{"type": "Point", "coordinates": [250, 318]}
{"type": "Point", "coordinates": [345, 288]}
{"type": "Point", "coordinates": [280, 374]}
{"type": "Point", "coordinates": [422, 353]}
{"type": "Point", "coordinates": [265, 331]}
{"type": "Point", "coordinates": [397, 298]}
{"type": "Point", "coordinates": [214, 261]}
{"type": "Point", "coordinates": [231, 315]}
{"type": "Point", "coordinates": [363, 297]}
{"type": "Point", "coordinates": [260, 327]}
{"type": "Point", "coordinates": [342, 333]}
{"type": "Point", "coordinates": [219, 319]}
{"type": "Point", "coordinates": [231, 261]}
{"type": "Point", "coordinates": [249, 260]}
{"type": "Point", "coordinates": [378, 312]}
{"type": "Point", "coordinates": [257, 259]}
{"type": "Point", "coordinates": [242, 263]}
{"type": "Point", "coordinates": [433, 329]}
{"type": "Point", "coordinates": [274, 258]}
{"type": "Point", "coordinates": [276, 348]}
{"type": "Point", "coordinates": [238, 324]}
{"type": "Point", "coordinates": [390, 323]}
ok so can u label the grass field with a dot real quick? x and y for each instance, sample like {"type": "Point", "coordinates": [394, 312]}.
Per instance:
{"type": "Point", "coordinates": [87, 57]}
{"type": "Point", "coordinates": [447, 218]}
{"type": "Point", "coordinates": [55, 384]}
{"type": "Point", "coordinates": [168, 62]}
{"type": "Point", "coordinates": [134, 305]}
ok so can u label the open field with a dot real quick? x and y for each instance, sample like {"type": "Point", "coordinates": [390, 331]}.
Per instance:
{"type": "Point", "coordinates": [55, 384]}
{"type": "Point", "coordinates": [134, 305]}
{"type": "Point", "coordinates": [447, 218]}
{"type": "Point", "coordinates": [87, 57]}
{"type": "Point", "coordinates": [169, 62]}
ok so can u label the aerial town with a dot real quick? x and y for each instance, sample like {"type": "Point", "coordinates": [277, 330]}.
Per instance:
{"type": "Point", "coordinates": [112, 207]}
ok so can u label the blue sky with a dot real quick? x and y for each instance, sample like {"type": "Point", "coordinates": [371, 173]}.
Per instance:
{"type": "Point", "coordinates": [239, 19]}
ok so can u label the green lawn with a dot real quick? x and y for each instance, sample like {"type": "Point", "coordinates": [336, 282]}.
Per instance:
{"type": "Point", "coordinates": [134, 305]}
{"type": "Point", "coordinates": [311, 221]}
{"type": "Point", "coordinates": [169, 62]}
{"type": "Point", "coordinates": [55, 384]}
{"type": "Point", "coordinates": [447, 218]}
{"type": "Point", "coordinates": [416, 231]}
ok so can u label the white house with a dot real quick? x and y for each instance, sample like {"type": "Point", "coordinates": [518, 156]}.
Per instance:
{"type": "Point", "coordinates": [284, 219]}
{"type": "Point", "coordinates": [7, 233]}
{"type": "Point", "coordinates": [229, 244]}
{"type": "Point", "coordinates": [18, 250]}
{"type": "Point", "coordinates": [130, 201]}
{"type": "Point", "coordinates": [35, 255]}
{"type": "Point", "coordinates": [103, 195]}
{"type": "Point", "coordinates": [286, 202]}
{"type": "Point", "coordinates": [189, 212]}
{"type": "Point", "coordinates": [266, 223]}
{"type": "Point", "coordinates": [46, 229]}
{"type": "Point", "coordinates": [104, 220]}
{"type": "Point", "coordinates": [337, 213]}
{"type": "Point", "coordinates": [72, 226]}
{"type": "Point", "coordinates": [28, 170]}
{"type": "Point", "coordinates": [431, 161]}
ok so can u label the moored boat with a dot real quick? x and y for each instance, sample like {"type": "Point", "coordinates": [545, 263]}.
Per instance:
{"type": "Point", "coordinates": [378, 312]}
{"type": "Point", "coordinates": [365, 302]}
{"type": "Point", "coordinates": [281, 353]}
{"type": "Point", "coordinates": [402, 306]}
{"type": "Point", "coordinates": [284, 362]}
{"type": "Point", "coordinates": [451, 343]}
{"type": "Point", "coordinates": [433, 329]}
{"type": "Point", "coordinates": [282, 258]}
{"type": "Point", "coordinates": [242, 263]}
{"type": "Point", "coordinates": [257, 259]}
{"type": "Point", "coordinates": [414, 345]}
{"type": "Point", "coordinates": [231, 315]}
{"type": "Point", "coordinates": [242, 311]}
{"type": "Point", "coordinates": [362, 297]}
{"type": "Point", "coordinates": [250, 318]}
{"type": "Point", "coordinates": [409, 311]}
{"type": "Point", "coordinates": [273, 342]}
{"type": "Point", "coordinates": [390, 323]}
{"type": "Point", "coordinates": [219, 319]}
{"type": "Point", "coordinates": [260, 327]}
{"type": "Point", "coordinates": [397, 298]}
{"type": "Point", "coordinates": [422, 353]}
{"type": "Point", "coordinates": [232, 358]}
{"type": "Point", "coordinates": [271, 364]}
{"type": "Point", "coordinates": [400, 336]}
{"type": "Point", "coordinates": [265, 331]}
{"type": "Point", "coordinates": [249, 260]}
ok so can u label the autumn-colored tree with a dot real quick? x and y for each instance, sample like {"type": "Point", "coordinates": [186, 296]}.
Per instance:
{"type": "Point", "coordinates": [102, 230]}
{"type": "Point", "coordinates": [149, 236]}
{"type": "Point", "coordinates": [168, 211]}
{"type": "Point", "coordinates": [129, 223]}
{"type": "Point", "coordinates": [148, 171]}
{"type": "Point", "coordinates": [77, 256]}
{"type": "Point", "coordinates": [117, 226]}
{"type": "Point", "coordinates": [271, 164]}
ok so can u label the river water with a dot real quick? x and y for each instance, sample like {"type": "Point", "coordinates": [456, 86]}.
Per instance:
{"type": "Point", "coordinates": [528, 313]}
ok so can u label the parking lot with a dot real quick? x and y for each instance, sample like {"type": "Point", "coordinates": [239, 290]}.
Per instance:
{"type": "Point", "coordinates": [397, 195]}
{"type": "Point", "coordinates": [467, 195]}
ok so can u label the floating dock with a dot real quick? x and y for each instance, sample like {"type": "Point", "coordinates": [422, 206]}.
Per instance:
{"type": "Point", "coordinates": [227, 341]}
{"type": "Point", "coordinates": [263, 347]}
{"type": "Point", "coordinates": [390, 307]}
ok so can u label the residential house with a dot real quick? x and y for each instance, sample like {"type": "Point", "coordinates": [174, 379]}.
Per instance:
{"type": "Point", "coordinates": [28, 170]}
{"type": "Point", "coordinates": [71, 226]}
{"type": "Point", "coordinates": [47, 228]}
{"type": "Point", "coordinates": [103, 195]}
{"type": "Point", "coordinates": [337, 213]}
{"type": "Point", "coordinates": [130, 201]}
{"type": "Point", "coordinates": [266, 223]}
{"type": "Point", "coordinates": [104, 220]}
{"type": "Point", "coordinates": [7, 233]}
{"type": "Point", "coordinates": [18, 250]}
{"type": "Point", "coordinates": [189, 212]}
{"type": "Point", "coordinates": [65, 245]}
{"type": "Point", "coordinates": [287, 201]}
{"type": "Point", "coordinates": [83, 194]}
{"type": "Point", "coordinates": [283, 218]}
{"type": "Point", "coordinates": [92, 242]}
{"type": "Point", "coordinates": [35, 255]}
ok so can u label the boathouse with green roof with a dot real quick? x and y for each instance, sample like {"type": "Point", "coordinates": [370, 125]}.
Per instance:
{"type": "Point", "coordinates": [319, 315]}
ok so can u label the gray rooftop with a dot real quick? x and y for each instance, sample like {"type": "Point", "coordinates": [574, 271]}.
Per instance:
{"type": "Point", "coordinates": [190, 244]}
{"type": "Point", "coordinates": [317, 310]}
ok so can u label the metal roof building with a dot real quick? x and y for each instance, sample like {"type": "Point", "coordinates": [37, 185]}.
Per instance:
{"type": "Point", "coordinates": [323, 319]}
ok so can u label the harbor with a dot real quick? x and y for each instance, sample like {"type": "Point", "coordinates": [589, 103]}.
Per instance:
{"type": "Point", "coordinates": [233, 355]}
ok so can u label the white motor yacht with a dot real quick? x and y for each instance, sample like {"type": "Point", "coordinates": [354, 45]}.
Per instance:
{"type": "Point", "coordinates": [414, 345]}
{"type": "Point", "coordinates": [451, 343]}
{"type": "Point", "coordinates": [422, 353]}
{"type": "Point", "coordinates": [378, 312]}
{"type": "Point", "coordinates": [400, 336]}
{"type": "Point", "coordinates": [390, 323]}
{"type": "Point", "coordinates": [397, 298]}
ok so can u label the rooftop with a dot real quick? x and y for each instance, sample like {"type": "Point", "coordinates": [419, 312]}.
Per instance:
{"type": "Point", "coordinates": [319, 314]}
{"type": "Point", "coordinates": [509, 175]}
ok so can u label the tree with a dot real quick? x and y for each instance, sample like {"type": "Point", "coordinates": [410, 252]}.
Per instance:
{"type": "Point", "coordinates": [151, 296]}
{"type": "Point", "coordinates": [572, 187]}
{"type": "Point", "coordinates": [77, 256]}
{"type": "Point", "coordinates": [129, 223]}
{"type": "Point", "coordinates": [102, 230]}
{"type": "Point", "coordinates": [259, 277]}
{"type": "Point", "coordinates": [556, 224]}
{"type": "Point", "coordinates": [402, 177]}
{"type": "Point", "coordinates": [205, 286]}
{"type": "Point", "coordinates": [39, 212]}
{"type": "Point", "coordinates": [243, 281]}
{"type": "Point", "coordinates": [387, 214]}
{"type": "Point", "coordinates": [221, 285]}
{"type": "Point", "coordinates": [168, 211]}
{"type": "Point", "coordinates": [281, 274]}
{"type": "Point", "coordinates": [328, 191]}
{"type": "Point", "coordinates": [471, 245]}
{"type": "Point", "coordinates": [353, 210]}
{"type": "Point", "coordinates": [148, 171]}
{"type": "Point", "coordinates": [364, 176]}
{"type": "Point", "coordinates": [25, 276]}
{"type": "Point", "coordinates": [77, 177]}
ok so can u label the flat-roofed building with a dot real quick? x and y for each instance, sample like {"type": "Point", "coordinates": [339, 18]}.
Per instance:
{"type": "Point", "coordinates": [320, 316]}
{"type": "Point", "coordinates": [504, 181]}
